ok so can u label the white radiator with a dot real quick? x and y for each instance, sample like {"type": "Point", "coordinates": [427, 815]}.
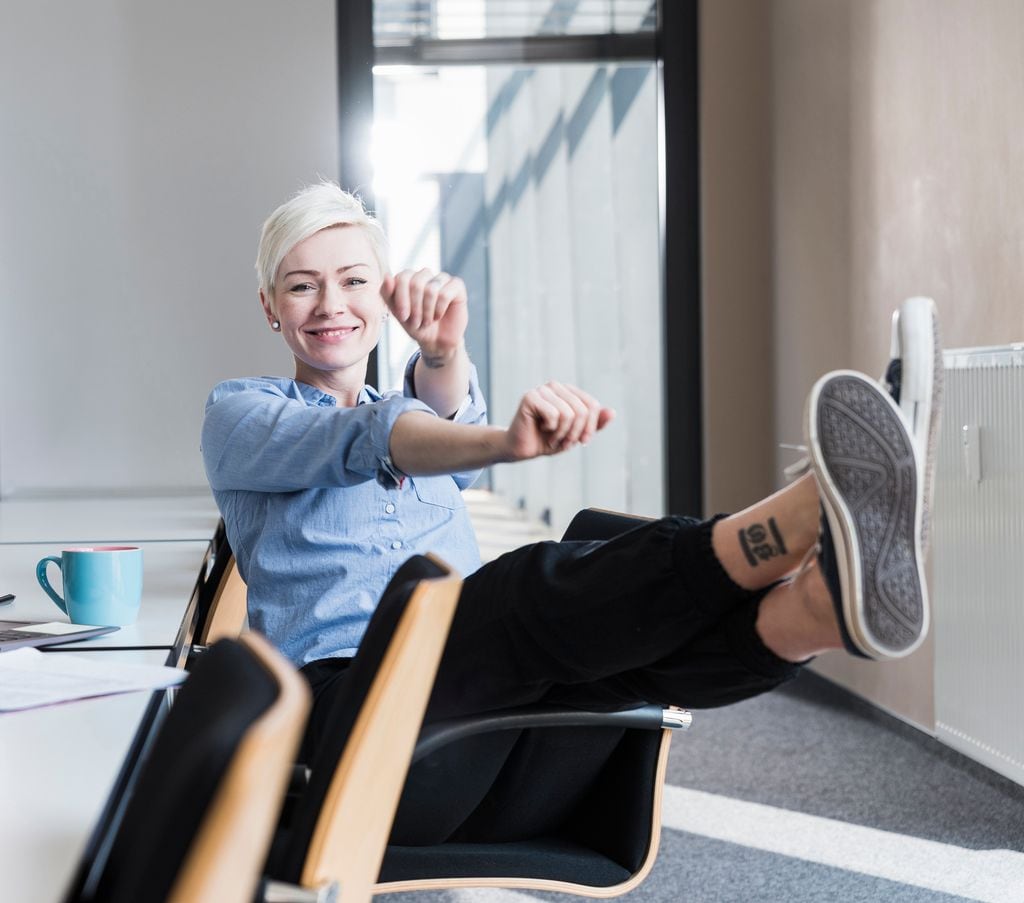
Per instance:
{"type": "Point", "coordinates": [978, 559]}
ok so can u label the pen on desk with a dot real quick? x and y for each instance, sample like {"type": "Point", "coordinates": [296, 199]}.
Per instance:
{"type": "Point", "coordinates": [9, 597]}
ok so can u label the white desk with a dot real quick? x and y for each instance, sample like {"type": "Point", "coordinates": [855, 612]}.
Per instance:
{"type": "Point", "coordinates": [114, 520]}
{"type": "Point", "coordinates": [58, 765]}
{"type": "Point", "coordinates": [169, 573]}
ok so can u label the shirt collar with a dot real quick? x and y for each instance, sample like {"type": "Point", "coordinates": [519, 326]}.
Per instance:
{"type": "Point", "coordinates": [313, 396]}
{"type": "Point", "coordinates": [368, 394]}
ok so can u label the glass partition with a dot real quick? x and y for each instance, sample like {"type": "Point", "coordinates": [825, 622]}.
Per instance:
{"type": "Point", "coordinates": [539, 186]}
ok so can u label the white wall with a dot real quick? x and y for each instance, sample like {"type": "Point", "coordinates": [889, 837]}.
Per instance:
{"type": "Point", "coordinates": [142, 144]}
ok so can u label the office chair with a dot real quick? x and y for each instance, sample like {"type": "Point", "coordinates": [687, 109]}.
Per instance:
{"type": "Point", "coordinates": [574, 806]}
{"type": "Point", "coordinates": [598, 776]}
{"type": "Point", "coordinates": [198, 823]}
{"type": "Point", "coordinates": [339, 824]}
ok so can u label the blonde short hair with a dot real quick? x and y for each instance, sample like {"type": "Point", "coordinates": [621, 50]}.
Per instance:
{"type": "Point", "coordinates": [312, 209]}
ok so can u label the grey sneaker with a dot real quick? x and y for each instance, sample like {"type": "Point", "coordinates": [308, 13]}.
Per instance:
{"type": "Point", "coordinates": [870, 474]}
{"type": "Point", "coordinates": [914, 379]}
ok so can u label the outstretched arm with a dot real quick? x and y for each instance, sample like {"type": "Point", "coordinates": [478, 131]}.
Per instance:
{"type": "Point", "coordinates": [550, 419]}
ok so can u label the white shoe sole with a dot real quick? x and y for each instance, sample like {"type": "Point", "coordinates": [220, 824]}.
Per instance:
{"type": "Point", "coordinates": [870, 480]}
{"type": "Point", "coordinates": [917, 343]}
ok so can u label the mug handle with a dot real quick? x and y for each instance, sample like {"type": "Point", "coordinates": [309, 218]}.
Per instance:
{"type": "Point", "coordinates": [45, 584]}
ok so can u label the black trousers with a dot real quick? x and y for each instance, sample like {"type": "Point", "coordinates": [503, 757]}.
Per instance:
{"type": "Point", "coordinates": [649, 616]}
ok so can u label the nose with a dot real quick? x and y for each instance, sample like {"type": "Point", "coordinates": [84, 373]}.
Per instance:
{"type": "Point", "coordinates": [331, 300]}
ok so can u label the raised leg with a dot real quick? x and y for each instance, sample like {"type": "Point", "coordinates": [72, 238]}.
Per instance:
{"type": "Point", "coordinates": [869, 466]}
{"type": "Point", "coordinates": [872, 461]}
{"type": "Point", "coordinates": [767, 541]}
{"type": "Point", "coordinates": [797, 619]}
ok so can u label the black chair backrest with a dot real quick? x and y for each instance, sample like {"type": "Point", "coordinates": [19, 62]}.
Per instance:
{"type": "Point", "coordinates": [226, 692]}
{"type": "Point", "coordinates": [289, 859]}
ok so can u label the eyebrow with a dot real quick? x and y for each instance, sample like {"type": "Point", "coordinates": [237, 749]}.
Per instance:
{"type": "Point", "coordinates": [350, 266]}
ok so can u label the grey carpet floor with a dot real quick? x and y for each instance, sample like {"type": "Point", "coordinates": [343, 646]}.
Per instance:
{"type": "Point", "coordinates": [825, 798]}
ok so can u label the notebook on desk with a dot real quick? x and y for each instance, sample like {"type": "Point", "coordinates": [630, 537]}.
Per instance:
{"type": "Point", "coordinates": [14, 634]}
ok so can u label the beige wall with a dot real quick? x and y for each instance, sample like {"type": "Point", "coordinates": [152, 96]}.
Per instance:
{"type": "Point", "coordinates": [897, 145]}
{"type": "Point", "coordinates": [736, 209]}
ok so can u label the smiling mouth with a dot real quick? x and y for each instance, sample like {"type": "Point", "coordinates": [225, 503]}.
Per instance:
{"type": "Point", "coordinates": [333, 332]}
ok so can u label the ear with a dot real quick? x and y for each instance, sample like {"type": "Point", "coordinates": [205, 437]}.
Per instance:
{"type": "Point", "coordinates": [267, 310]}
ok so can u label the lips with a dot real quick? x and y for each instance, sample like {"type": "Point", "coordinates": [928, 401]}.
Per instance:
{"type": "Point", "coordinates": [332, 332]}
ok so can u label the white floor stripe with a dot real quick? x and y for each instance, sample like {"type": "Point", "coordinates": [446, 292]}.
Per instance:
{"type": "Point", "coordinates": [490, 895]}
{"type": "Point", "coordinates": [993, 876]}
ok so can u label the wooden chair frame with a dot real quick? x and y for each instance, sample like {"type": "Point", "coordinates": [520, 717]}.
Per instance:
{"type": "Point", "coordinates": [227, 613]}
{"type": "Point", "coordinates": [354, 823]}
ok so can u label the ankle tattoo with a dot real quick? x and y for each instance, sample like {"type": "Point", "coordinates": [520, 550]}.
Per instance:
{"type": "Point", "coordinates": [762, 542]}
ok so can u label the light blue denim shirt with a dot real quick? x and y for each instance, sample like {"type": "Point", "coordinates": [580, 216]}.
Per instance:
{"type": "Point", "coordinates": [317, 516]}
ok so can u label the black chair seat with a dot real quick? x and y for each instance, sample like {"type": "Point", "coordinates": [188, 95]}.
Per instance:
{"type": "Point", "coordinates": [594, 827]}
{"type": "Point", "coordinates": [545, 858]}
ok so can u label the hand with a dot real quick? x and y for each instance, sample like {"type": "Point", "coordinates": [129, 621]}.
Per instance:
{"type": "Point", "coordinates": [431, 307]}
{"type": "Point", "coordinates": [553, 418]}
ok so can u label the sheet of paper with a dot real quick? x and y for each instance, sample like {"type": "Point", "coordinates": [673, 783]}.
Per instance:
{"type": "Point", "coordinates": [30, 678]}
{"type": "Point", "coordinates": [54, 628]}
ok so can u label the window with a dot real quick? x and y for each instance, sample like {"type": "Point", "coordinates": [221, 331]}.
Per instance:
{"type": "Point", "coordinates": [515, 144]}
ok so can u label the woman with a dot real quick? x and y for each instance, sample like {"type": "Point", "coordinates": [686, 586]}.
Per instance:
{"type": "Point", "coordinates": [327, 486]}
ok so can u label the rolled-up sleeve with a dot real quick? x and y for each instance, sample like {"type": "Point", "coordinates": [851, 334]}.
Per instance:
{"type": "Point", "coordinates": [256, 438]}
{"type": "Point", "coordinates": [473, 410]}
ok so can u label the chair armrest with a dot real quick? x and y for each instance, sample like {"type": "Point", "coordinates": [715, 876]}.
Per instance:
{"type": "Point", "coordinates": [441, 733]}
{"type": "Point", "coordinates": [597, 523]}
{"type": "Point", "coordinates": [299, 780]}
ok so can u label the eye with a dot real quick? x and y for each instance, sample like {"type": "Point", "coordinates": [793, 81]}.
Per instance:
{"type": "Point", "coordinates": [356, 281]}
{"type": "Point", "coordinates": [302, 288]}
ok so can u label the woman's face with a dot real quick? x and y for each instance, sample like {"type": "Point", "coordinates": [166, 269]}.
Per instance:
{"type": "Point", "coordinates": [327, 299]}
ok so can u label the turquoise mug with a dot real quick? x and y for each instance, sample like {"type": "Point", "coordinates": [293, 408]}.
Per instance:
{"type": "Point", "coordinates": [102, 584]}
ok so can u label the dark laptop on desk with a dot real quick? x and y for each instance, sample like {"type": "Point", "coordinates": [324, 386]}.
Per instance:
{"type": "Point", "coordinates": [14, 634]}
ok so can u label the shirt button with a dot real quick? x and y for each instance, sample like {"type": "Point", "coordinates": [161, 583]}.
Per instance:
{"type": "Point", "coordinates": [397, 544]}
{"type": "Point", "coordinates": [389, 508]}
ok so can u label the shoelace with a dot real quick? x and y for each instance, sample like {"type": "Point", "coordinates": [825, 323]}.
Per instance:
{"type": "Point", "coordinates": [809, 560]}
{"type": "Point", "coordinates": [798, 468]}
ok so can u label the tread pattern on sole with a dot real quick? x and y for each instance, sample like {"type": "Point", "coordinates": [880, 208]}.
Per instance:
{"type": "Point", "coordinates": [870, 462]}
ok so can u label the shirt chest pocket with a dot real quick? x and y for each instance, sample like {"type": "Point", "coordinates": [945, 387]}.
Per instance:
{"type": "Point", "coordinates": [440, 491]}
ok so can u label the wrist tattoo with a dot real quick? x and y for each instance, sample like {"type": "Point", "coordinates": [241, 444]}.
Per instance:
{"type": "Point", "coordinates": [762, 542]}
{"type": "Point", "coordinates": [433, 361]}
